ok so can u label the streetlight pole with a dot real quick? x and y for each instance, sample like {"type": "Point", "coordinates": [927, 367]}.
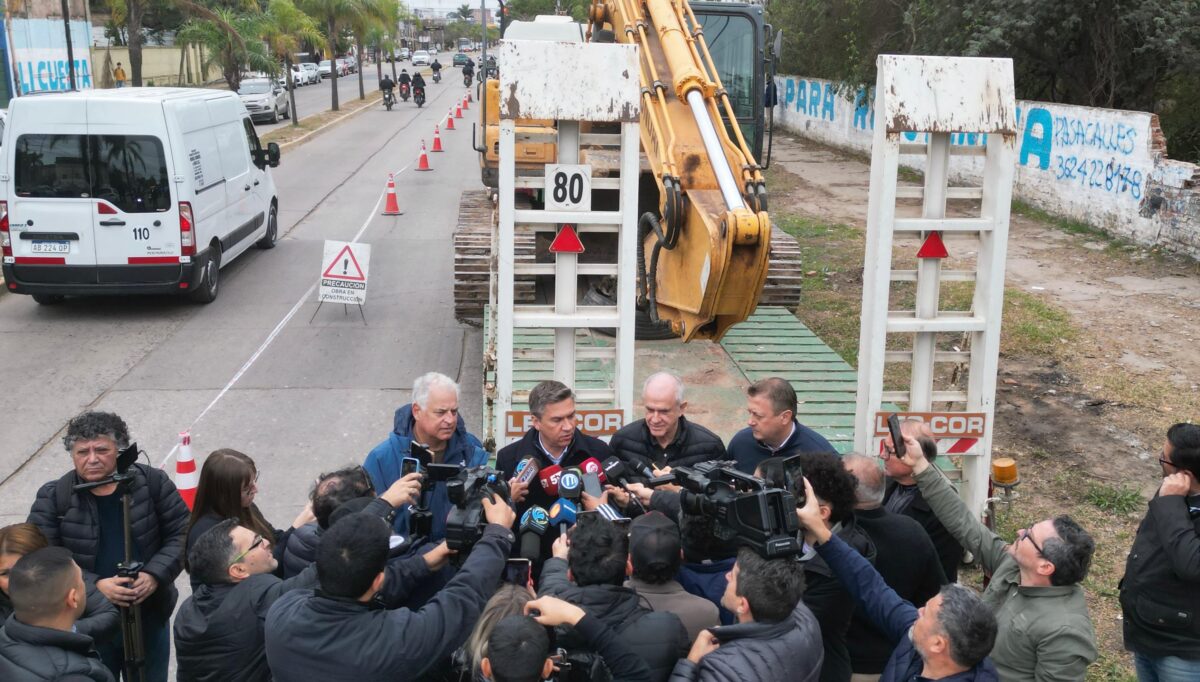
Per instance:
{"type": "Point", "coordinates": [66, 12]}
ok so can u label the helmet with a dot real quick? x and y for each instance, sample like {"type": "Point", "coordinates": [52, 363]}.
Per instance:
{"type": "Point", "coordinates": [403, 70]}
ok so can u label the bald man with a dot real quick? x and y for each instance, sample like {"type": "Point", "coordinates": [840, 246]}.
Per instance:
{"type": "Point", "coordinates": [665, 437]}
{"type": "Point", "coordinates": [904, 556]}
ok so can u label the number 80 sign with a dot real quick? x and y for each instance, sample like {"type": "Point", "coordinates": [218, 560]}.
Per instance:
{"type": "Point", "coordinates": [568, 187]}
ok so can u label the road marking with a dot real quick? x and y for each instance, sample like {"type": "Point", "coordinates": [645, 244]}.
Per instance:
{"type": "Point", "coordinates": [278, 328]}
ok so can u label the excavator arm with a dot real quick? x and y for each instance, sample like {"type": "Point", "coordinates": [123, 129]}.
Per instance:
{"type": "Point", "coordinates": [704, 255]}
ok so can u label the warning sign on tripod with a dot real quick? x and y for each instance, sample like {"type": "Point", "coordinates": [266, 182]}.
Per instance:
{"type": "Point", "coordinates": [344, 273]}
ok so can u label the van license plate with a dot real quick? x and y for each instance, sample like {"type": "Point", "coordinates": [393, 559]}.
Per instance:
{"type": "Point", "coordinates": [51, 247]}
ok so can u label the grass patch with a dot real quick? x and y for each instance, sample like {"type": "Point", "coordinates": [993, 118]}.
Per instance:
{"type": "Point", "coordinates": [1113, 498]}
{"type": "Point", "coordinates": [1034, 326]}
{"type": "Point", "coordinates": [1109, 668]}
{"type": "Point", "coordinates": [1070, 225]}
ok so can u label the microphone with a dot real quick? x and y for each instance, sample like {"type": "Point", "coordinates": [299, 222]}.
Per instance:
{"type": "Point", "coordinates": [549, 479]}
{"type": "Point", "coordinates": [570, 484]}
{"type": "Point", "coordinates": [527, 470]}
{"type": "Point", "coordinates": [563, 514]}
{"type": "Point", "coordinates": [614, 468]}
{"type": "Point", "coordinates": [534, 523]}
{"type": "Point", "coordinates": [591, 465]}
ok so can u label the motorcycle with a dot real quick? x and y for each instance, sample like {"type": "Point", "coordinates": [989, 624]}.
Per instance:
{"type": "Point", "coordinates": [404, 91]}
{"type": "Point", "coordinates": [437, 76]}
{"type": "Point", "coordinates": [467, 79]}
{"type": "Point", "coordinates": [388, 99]}
{"type": "Point", "coordinates": [419, 96]}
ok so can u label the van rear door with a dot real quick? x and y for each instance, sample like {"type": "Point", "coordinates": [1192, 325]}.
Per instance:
{"type": "Point", "coordinates": [136, 222]}
{"type": "Point", "coordinates": [50, 208]}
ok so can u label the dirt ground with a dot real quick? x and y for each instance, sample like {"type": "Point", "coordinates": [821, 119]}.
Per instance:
{"type": "Point", "coordinates": [1085, 417]}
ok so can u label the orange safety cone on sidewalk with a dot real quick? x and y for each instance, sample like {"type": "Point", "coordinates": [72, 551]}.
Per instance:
{"type": "Point", "coordinates": [392, 207]}
{"type": "Point", "coordinates": [423, 162]}
{"type": "Point", "coordinates": [450, 120]}
{"type": "Point", "coordinates": [437, 141]}
{"type": "Point", "coordinates": [186, 478]}
{"type": "Point", "coordinates": [458, 111]}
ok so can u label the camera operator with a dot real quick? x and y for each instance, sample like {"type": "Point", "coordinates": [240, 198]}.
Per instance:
{"type": "Point", "coordinates": [902, 496]}
{"type": "Point", "coordinates": [590, 572]}
{"type": "Point", "coordinates": [772, 429]}
{"type": "Point", "coordinates": [1160, 593]}
{"type": "Point", "coordinates": [665, 437]}
{"type": "Point", "coordinates": [553, 442]}
{"type": "Point", "coordinates": [432, 422]}
{"type": "Point", "coordinates": [832, 605]}
{"type": "Point", "coordinates": [1045, 632]}
{"type": "Point", "coordinates": [947, 639]}
{"type": "Point", "coordinates": [39, 641]}
{"type": "Point", "coordinates": [334, 634]}
{"type": "Point", "coordinates": [90, 523]}
{"type": "Point", "coordinates": [776, 636]}
{"type": "Point", "coordinates": [518, 645]}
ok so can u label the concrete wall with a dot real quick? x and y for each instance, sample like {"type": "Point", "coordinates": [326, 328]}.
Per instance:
{"type": "Point", "coordinates": [159, 64]}
{"type": "Point", "coordinates": [1105, 167]}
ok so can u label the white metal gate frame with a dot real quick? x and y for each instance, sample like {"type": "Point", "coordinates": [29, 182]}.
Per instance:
{"type": "Point", "coordinates": [939, 96]}
{"type": "Point", "coordinates": [574, 83]}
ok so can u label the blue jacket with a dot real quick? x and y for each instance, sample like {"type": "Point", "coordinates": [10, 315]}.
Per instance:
{"type": "Point", "coordinates": [383, 465]}
{"type": "Point", "coordinates": [892, 615]}
{"type": "Point", "coordinates": [708, 580]}
{"type": "Point", "coordinates": [748, 452]}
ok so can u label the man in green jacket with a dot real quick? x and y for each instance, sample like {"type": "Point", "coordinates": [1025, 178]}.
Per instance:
{"type": "Point", "coordinates": [1045, 631]}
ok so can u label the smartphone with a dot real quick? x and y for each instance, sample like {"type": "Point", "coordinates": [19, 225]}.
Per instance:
{"type": "Point", "coordinates": [897, 437]}
{"type": "Point", "coordinates": [591, 484]}
{"type": "Point", "coordinates": [516, 571]}
{"type": "Point", "coordinates": [421, 453]}
{"type": "Point", "coordinates": [623, 524]}
{"type": "Point", "coordinates": [409, 465]}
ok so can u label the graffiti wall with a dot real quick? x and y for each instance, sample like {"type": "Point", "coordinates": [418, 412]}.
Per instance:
{"type": "Point", "coordinates": [1102, 166]}
{"type": "Point", "coordinates": [40, 61]}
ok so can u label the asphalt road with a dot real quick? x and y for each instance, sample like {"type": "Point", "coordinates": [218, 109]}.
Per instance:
{"type": "Point", "coordinates": [261, 370]}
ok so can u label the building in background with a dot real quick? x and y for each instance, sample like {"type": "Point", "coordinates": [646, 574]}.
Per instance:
{"type": "Point", "coordinates": [36, 48]}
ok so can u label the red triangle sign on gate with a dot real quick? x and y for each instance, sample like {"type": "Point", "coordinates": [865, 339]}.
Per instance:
{"type": "Point", "coordinates": [933, 247]}
{"type": "Point", "coordinates": [566, 241]}
{"type": "Point", "coordinates": [347, 264]}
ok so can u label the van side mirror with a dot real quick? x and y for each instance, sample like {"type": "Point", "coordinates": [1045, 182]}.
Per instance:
{"type": "Point", "coordinates": [272, 155]}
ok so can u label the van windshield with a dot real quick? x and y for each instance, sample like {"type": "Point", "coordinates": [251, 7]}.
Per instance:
{"type": "Point", "coordinates": [128, 171]}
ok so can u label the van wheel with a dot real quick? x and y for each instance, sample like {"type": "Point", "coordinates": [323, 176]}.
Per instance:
{"type": "Point", "coordinates": [211, 281]}
{"type": "Point", "coordinates": [275, 114]}
{"type": "Point", "coordinates": [49, 299]}
{"type": "Point", "coordinates": [268, 239]}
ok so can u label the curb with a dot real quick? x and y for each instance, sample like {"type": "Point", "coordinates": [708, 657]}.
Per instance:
{"type": "Point", "coordinates": [291, 143]}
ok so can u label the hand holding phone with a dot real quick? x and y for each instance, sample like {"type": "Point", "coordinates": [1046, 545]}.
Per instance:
{"type": "Point", "coordinates": [897, 436]}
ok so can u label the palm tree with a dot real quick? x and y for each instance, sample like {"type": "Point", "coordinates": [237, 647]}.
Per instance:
{"type": "Point", "coordinates": [336, 14]}
{"type": "Point", "coordinates": [463, 12]}
{"type": "Point", "coordinates": [286, 28]}
{"type": "Point", "coordinates": [222, 35]}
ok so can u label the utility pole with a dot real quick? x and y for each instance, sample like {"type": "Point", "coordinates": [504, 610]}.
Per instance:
{"type": "Point", "coordinates": [66, 12]}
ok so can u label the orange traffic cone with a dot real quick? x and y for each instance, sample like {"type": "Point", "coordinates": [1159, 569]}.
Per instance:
{"type": "Point", "coordinates": [458, 111]}
{"type": "Point", "coordinates": [437, 141]}
{"type": "Point", "coordinates": [450, 120]}
{"type": "Point", "coordinates": [423, 162]}
{"type": "Point", "coordinates": [392, 207]}
{"type": "Point", "coordinates": [186, 477]}
{"type": "Point", "coordinates": [467, 102]}
{"type": "Point", "coordinates": [469, 98]}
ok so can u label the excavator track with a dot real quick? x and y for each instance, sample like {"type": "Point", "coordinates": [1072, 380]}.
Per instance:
{"type": "Point", "coordinates": [473, 259]}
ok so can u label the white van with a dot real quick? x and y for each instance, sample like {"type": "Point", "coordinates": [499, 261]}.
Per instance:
{"type": "Point", "coordinates": [131, 190]}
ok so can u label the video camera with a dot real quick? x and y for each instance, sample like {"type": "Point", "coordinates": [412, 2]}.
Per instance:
{"type": "Point", "coordinates": [466, 489]}
{"type": "Point", "coordinates": [760, 516]}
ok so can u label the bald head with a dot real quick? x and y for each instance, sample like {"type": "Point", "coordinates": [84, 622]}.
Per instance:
{"type": "Point", "coordinates": [870, 489]}
{"type": "Point", "coordinates": [662, 398]}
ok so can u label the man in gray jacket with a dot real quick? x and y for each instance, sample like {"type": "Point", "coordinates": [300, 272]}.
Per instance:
{"type": "Point", "coordinates": [655, 555]}
{"type": "Point", "coordinates": [1045, 632]}
{"type": "Point", "coordinates": [776, 638]}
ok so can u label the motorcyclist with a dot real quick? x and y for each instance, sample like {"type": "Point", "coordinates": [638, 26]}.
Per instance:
{"type": "Point", "coordinates": [436, 66]}
{"type": "Point", "coordinates": [418, 81]}
{"type": "Point", "coordinates": [469, 67]}
{"type": "Point", "coordinates": [386, 85]}
{"type": "Point", "coordinates": [404, 78]}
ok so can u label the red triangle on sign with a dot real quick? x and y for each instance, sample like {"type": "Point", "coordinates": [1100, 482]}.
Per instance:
{"type": "Point", "coordinates": [348, 264]}
{"type": "Point", "coordinates": [566, 241]}
{"type": "Point", "coordinates": [933, 247]}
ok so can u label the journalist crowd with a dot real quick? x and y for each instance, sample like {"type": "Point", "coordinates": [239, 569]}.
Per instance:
{"type": "Point", "coordinates": [662, 555]}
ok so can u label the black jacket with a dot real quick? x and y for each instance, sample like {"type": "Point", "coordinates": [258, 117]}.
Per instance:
{"type": "Point", "coordinates": [831, 604]}
{"type": "Point", "coordinates": [787, 651]}
{"type": "Point", "coordinates": [311, 636]}
{"type": "Point", "coordinates": [300, 549]}
{"type": "Point", "coordinates": [909, 564]}
{"type": "Point", "coordinates": [693, 444]}
{"type": "Point", "coordinates": [101, 621]}
{"type": "Point", "coordinates": [748, 452]}
{"type": "Point", "coordinates": [219, 630]}
{"type": "Point", "coordinates": [1160, 593]}
{"type": "Point", "coordinates": [278, 541]}
{"type": "Point", "coordinates": [29, 654]}
{"type": "Point", "coordinates": [159, 526]}
{"type": "Point", "coordinates": [658, 637]}
{"type": "Point", "coordinates": [582, 446]}
{"type": "Point", "coordinates": [949, 551]}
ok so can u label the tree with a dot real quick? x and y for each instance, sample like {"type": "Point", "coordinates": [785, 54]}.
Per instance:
{"type": "Point", "coordinates": [463, 12]}
{"type": "Point", "coordinates": [363, 23]}
{"type": "Point", "coordinates": [335, 15]}
{"type": "Point", "coordinates": [286, 27]}
{"type": "Point", "coordinates": [222, 33]}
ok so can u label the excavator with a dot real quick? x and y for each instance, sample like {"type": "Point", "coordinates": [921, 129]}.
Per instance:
{"type": "Point", "coordinates": [709, 254]}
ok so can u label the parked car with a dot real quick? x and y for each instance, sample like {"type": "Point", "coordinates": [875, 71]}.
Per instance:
{"type": "Point", "coordinates": [461, 59]}
{"type": "Point", "coordinates": [420, 58]}
{"type": "Point", "coordinates": [132, 191]}
{"type": "Point", "coordinates": [343, 67]}
{"type": "Point", "coordinates": [404, 53]}
{"type": "Point", "coordinates": [264, 100]}
{"type": "Point", "coordinates": [312, 73]}
{"type": "Point", "coordinates": [297, 78]}
{"type": "Point", "coordinates": [325, 68]}
{"type": "Point", "coordinates": [352, 64]}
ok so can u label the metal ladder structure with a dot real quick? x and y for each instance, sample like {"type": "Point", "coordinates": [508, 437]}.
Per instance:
{"type": "Point", "coordinates": [937, 108]}
{"type": "Point", "coordinates": [573, 84]}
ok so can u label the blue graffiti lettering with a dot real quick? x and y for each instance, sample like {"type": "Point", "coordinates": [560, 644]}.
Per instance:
{"type": "Point", "coordinates": [801, 95]}
{"type": "Point", "coordinates": [827, 109]}
{"type": "Point", "coordinates": [862, 110]}
{"type": "Point", "coordinates": [1038, 145]}
{"type": "Point", "coordinates": [789, 92]}
{"type": "Point", "coordinates": [1096, 174]}
{"type": "Point", "coordinates": [814, 99]}
{"type": "Point", "coordinates": [1109, 137]}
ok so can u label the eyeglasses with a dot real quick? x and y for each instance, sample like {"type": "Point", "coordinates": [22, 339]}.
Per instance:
{"type": "Point", "coordinates": [1162, 458]}
{"type": "Point", "coordinates": [1028, 535]}
{"type": "Point", "coordinates": [258, 540]}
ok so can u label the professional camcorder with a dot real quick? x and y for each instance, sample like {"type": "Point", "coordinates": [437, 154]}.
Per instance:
{"type": "Point", "coordinates": [760, 516]}
{"type": "Point", "coordinates": [466, 489]}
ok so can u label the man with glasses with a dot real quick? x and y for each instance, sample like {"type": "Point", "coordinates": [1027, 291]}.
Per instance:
{"type": "Point", "coordinates": [1045, 632]}
{"type": "Point", "coordinates": [1160, 593]}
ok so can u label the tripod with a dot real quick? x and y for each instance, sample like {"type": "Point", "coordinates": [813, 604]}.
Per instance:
{"type": "Point", "coordinates": [131, 616]}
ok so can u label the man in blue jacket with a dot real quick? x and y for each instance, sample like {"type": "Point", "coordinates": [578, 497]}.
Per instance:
{"type": "Point", "coordinates": [771, 427]}
{"type": "Point", "coordinates": [948, 639]}
{"type": "Point", "coordinates": [431, 421]}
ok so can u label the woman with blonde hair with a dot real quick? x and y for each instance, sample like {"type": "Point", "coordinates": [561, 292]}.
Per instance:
{"type": "Point", "coordinates": [509, 600]}
{"type": "Point", "coordinates": [100, 619]}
